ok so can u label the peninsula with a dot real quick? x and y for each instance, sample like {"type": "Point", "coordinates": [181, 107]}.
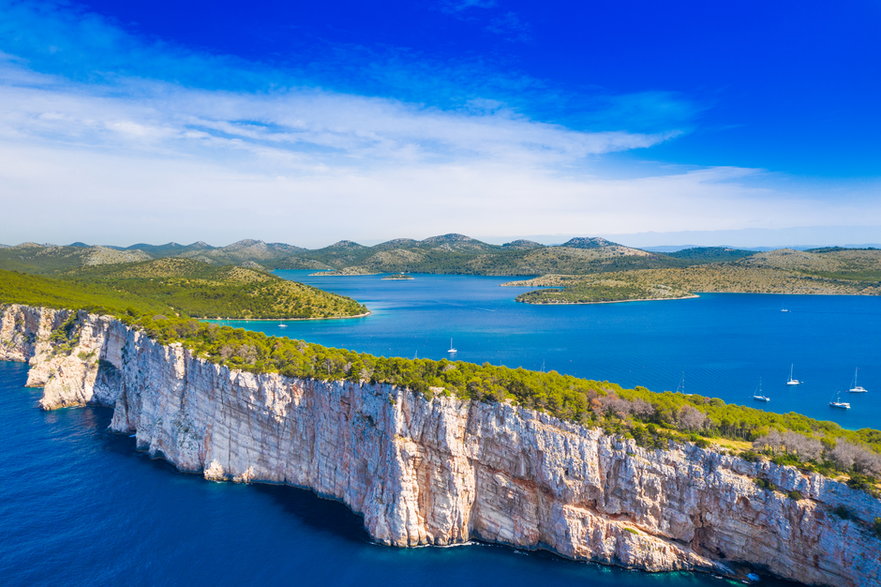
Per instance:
{"type": "Point", "coordinates": [444, 452]}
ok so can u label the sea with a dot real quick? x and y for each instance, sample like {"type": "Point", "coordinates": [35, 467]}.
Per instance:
{"type": "Point", "coordinates": [79, 505]}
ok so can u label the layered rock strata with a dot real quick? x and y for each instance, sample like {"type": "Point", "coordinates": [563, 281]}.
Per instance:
{"type": "Point", "coordinates": [446, 471]}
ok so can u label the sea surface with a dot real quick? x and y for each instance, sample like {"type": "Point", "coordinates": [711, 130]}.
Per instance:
{"type": "Point", "coordinates": [720, 345]}
{"type": "Point", "coordinates": [79, 505]}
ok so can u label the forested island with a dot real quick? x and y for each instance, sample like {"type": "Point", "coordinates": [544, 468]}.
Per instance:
{"type": "Point", "coordinates": [783, 271]}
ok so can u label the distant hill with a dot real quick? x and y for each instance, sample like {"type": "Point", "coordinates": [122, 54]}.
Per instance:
{"type": "Point", "coordinates": [203, 290]}
{"type": "Point", "coordinates": [449, 253]}
{"type": "Point", "coordinates": [456, 253]}
{"type": "Point", "coordinates": [48, 259]}
{"type": "Point", "coordinates": [834, 271]}
{"type": "Point", "coordinates": [710, 254]}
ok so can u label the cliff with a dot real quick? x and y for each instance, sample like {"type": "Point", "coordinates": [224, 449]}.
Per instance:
{"type": "Point", "coordinates": [445, 471]}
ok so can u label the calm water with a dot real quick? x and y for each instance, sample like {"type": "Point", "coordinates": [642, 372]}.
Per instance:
{"type": "Point", "coordinates": [79, 506]}
{"type": "Point", "coordinates": [722, 344]}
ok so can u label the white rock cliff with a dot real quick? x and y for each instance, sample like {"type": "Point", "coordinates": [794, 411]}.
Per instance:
{"type": "Point", "coordinates": [447, 471]}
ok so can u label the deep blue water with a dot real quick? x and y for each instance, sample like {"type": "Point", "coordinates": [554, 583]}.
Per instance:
{"type": "Point", "coordinates": [723, 344]}
{"type": "Point", "coordinates": [80, 506]}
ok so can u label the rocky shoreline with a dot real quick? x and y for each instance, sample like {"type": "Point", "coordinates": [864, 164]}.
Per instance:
{"type": "Point", "coordinates": [446, 471]}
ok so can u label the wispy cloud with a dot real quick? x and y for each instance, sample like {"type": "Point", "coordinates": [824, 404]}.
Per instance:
{"type": "Point", "coordinates": [491, 16]}
{"type": "Point", "coordinates": [511, 26]}
{"type": "Point", "coordinates": [324, 126]}
{"type": "Point", "coordinates": [456, 6]}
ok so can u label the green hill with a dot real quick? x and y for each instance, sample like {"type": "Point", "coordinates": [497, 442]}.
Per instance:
{"type": "Point", "coordinates": [198, 289]}
{"type": "Point", "coordinates": [37, 290]}
{"type": "Point", "coordinates": [51, 259]}
{"type": "Point", "coordinates": [449, 253]}
{"type": "Point", "coordinates": [836, 271]}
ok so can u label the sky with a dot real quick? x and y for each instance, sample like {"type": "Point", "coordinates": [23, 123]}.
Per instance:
{"type": "Point", "coordinates": [748, 123]}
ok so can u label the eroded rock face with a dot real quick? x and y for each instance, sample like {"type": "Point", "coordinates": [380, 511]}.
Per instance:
{"type": "Point", "coordinates": [446, 471]}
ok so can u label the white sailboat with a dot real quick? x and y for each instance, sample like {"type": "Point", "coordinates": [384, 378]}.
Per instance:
{"type": "Point", "coordinates": [837, 403]}
{"type": "Point", "coordinates": [681, 387]}
{"type": "Point", "coordinates": [857, 388]}
{"type": "Point", "coordinates": [791, 380]}
{"type": "Point", "coordinates": [759, 396]}
{"type": "Point", "coordinates": [453, 350]}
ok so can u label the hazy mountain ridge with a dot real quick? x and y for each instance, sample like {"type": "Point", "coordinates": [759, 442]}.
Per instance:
{"type": "Point", "coordinates": [448, 253]}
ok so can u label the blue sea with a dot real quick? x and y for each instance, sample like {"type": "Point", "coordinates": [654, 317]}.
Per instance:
{"type": "Point", "coordinates": [79, 505]}
{"type": "Point", "coordinates": [720, 345]}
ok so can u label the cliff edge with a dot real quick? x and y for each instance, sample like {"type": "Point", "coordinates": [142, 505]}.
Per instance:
{"type": "Point", "coordinates": [446, 471]}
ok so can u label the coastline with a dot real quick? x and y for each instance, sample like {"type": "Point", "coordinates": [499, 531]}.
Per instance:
{"type": "Point", "coordinates": [607, 301]}
{"type": "Point", "coordinates": [282, 319]}
{"type": "Point", "coordinates": [246, 427]}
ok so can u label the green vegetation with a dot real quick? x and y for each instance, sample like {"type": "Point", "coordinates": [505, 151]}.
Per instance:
{"type": "Point", "coordinates": [451, 253]}
{"type": "Point", "coordinates": [602, 290]}
{"type": "Point", "coordinates": [202, 290]}
{"type": "Point", "coordinates": [51, 260]}
{"type": "Point", "coordinates": [35, 290]}
{"type": "Point", "coordinates": [698, 255]}
{"type": "Point", "coordinates": [763, 483]}
{"type": "Point", "coordinates": [856, 272]}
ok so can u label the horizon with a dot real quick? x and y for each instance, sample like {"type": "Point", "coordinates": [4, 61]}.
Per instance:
{"type": "Point", "coordinates": [545, 240]}
{"type": "Point", "coordinates": [316, 123]}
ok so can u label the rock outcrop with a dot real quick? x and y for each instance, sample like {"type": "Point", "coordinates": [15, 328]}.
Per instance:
{"type": "Point", "coordinates": [445, 471]}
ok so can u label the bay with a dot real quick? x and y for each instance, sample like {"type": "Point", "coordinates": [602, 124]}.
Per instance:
{"type": "Point", "coordinates": [722, 345]}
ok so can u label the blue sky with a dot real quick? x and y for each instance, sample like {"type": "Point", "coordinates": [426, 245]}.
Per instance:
{"type": "Point", "coordinates": [311, 122]}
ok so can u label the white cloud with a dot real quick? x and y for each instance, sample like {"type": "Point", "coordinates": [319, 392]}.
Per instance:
{"type": "Point", "coordinates": [141, 115]}
{"type": "Point", "coordinates": [150, 161]}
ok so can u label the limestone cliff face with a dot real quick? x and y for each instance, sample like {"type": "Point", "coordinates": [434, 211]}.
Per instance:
{"type": "Point", "coordinates": [446, 471]}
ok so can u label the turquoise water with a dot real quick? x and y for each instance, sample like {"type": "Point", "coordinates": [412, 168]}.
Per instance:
{"type": "Point", "coordinates": [80, 506]}
{"type": "Point", "coordinates": [723, 344]}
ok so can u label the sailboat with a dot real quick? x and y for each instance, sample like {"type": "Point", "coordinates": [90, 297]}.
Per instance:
{"type": "Point", "coordinates": [681, 387]}
{"type": "Point", "coordinates": [453, 350]}
{"type": "Point", "coordinates": [857, 388]}
{"type": "Point", "coordinates": [758, 396]}
{"type": "Point", "coordinates": [838, 403]}
{"type": "Point", "coordinates": [792, 381]}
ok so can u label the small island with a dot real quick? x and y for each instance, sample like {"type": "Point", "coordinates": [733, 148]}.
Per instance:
{"type": "Point", "coordinates": [398, 277]}
{"type": "Point", "coordinates": [782, 271]}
